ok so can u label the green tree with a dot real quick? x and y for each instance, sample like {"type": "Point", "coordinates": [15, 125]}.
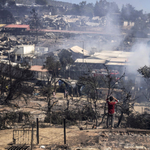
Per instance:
{"type": "Point", "coordinates": [6, 17]}
{"type": "Point", "coordinates": [128, 13]}
{"type": "Point", "coordinates": [87, 9]}
{"type": "Point", "coordinates": [65, 59]}
{"type": "Point", "coordinates": [81, 9]}
{"type": "Point", "coordinates": [3, 2]}
{"type": "Point", "coordinates": [145, 72]}
{"type": "Point", "coordinates": [11, 3]}
{"type": "Point", "coordinates": [101, 8]}
{"type": "Point", "coordinates": [74, 11]}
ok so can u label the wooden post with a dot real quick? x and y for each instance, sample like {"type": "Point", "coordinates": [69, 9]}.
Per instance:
{"type": "Point", "coordinates": [14, 140]}
{"type": "Point", "coordinates": [37, 130]}
{"type": "Point", "coordinates": [32, 138]}
{"type": "Point", "coordinates": [64, 131]}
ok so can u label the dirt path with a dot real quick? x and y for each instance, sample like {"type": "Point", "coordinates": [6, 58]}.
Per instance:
{"type": "Point", "coordinates": [5, 138]}
{"type": "Point", "coordinates": [52, 136]}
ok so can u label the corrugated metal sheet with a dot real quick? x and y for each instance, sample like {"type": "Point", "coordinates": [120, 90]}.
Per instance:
{"type": "Point", "coordinates": [38, 68]}
{"type": "Point", "coordinates": [2, 25]}
{"type": "Point", "coordinates": [121, 60]}
{"type": "Point", "coordinates": [92, 61]}
{"type": "Point", "coordinates": [27, 27]}
{"type": "Point", "coordinates": [101, 57]}
{"type": "Point", "coordinates": [113, 54]}
{"type": "Point", "coordinates": [77, 49]}
{"type": "Point", "coordinates": [116, 64]}
{"type": "Point", "coordinates": [109, 54]}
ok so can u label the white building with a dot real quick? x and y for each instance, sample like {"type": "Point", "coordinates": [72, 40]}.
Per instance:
{"type": "Point", "coordinates": [22, 51]}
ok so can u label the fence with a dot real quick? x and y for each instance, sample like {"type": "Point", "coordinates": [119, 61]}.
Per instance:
{"type": "Point", "coordinates": [30, 136]}
{"type": "Point", "coordinates": [24, 136]}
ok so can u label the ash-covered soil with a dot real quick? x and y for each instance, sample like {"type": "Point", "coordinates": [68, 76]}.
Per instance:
{"type": "Point", "coordinates": [102, 139]}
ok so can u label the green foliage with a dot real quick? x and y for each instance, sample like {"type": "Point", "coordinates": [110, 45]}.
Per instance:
{"type": "Point", "coordinates": [46, 90]}
{"type": "Point", "coordinates": [87, 112]}
{"type": "Point", "coordinates": [41, 2]}
{"type": "Point", "coordinates": [11, 3]}
{"type": "Point", "coordinates": [140, 121]}
{"type": "Point", "coordinates": [6, 17]}
{"type": "Point", "coordinates": [3, 2]}
{"type": "Point", "coordinates": [53, 66]}
{"type": "Point", "coordinates": [65, 58]}
{"type": "Point", "coordinates": [145, 71]}
{"type": "Point", "coordinates": [129, 13]}
{"type": "Point", "coordinates": [101, 8]}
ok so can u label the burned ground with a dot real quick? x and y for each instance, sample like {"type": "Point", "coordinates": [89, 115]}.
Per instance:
{"type": "Point", "coordinates": [79, 135]}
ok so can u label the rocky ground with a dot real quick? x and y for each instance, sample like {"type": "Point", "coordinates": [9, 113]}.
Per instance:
{"type": "Point", "coordinates": [92, 139]}
{"type": "Point", "coordinates": [102, 139]}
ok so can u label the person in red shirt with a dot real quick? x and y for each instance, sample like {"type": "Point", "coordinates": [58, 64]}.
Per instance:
{"type": "Point", "coordinates": [111, 110]}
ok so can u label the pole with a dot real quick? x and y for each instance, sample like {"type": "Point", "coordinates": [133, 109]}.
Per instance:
{"type": "Point", "coordinates": [83, 50]}
{"type": "Point", "coordinates": [37, 130]}
{"type": "Point", "coordinates": [64, 131]}
{"type": "Point", "coordinates": [32, 138]}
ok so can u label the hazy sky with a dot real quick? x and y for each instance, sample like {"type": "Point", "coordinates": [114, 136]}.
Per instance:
{"type": "Point", "coordinates": [138, 4]}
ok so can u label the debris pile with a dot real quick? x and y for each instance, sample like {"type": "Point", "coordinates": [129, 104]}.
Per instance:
{"type": "Point", "coordinates": [124, 140]}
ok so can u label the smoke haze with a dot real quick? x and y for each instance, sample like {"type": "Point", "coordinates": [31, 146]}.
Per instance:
{"type": "Point", "coordinates": [139, 58]}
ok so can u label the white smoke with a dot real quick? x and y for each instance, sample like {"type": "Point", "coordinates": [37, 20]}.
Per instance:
{"type": "Point", "coordinates": [108, 39]}
{"type": "Point", "coordinates": [139, 58]}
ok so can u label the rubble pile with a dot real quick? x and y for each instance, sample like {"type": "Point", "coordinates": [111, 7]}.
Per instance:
{"type": "Point", "coordinates": [57, 22]}
{"type": "Point", "coordinates": [75, 22]}
{"type": "Point", "coordinates": [6, 43]}
{"type": "Point", "coordinates": [124, 140]}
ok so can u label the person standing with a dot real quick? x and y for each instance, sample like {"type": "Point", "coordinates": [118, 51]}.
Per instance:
{"type": "Point", "coordinates": [111, 101]}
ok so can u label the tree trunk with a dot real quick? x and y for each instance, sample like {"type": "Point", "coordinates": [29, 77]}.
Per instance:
{"type": "Point", "coordinates": [67, 103]}
{"type": "Point", "coordinates": [96, 113]}
{"type": "Point", "coordinates": [120, 119]}
{"type": "Point", "coordinates": [103, 115]}
{"type": "Point", "coordinates": [49, 110]}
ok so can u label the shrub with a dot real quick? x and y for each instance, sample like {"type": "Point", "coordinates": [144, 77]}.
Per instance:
{"type": "Point", "coordinates": [141, 121]}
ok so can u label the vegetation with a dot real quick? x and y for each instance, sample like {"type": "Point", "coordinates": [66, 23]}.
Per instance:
{"type": "Point", "coordinates": [53, 67]}
{"type": "Point", "coordinates": [65, 59]}
{"type": "Point", "coordinates": [14, 83]}
{"type": "Point", "coordinates": [140, 121]}
{"type": "Point", "coordinates": [41, 2]}
{"type": "Point", "coordinates": [11, 3]}
{"type": "Point", "coordinates": [102, 8]}
{"type": "Point", "coordinates": [145, 72]}
{"type": "Point", "coordinates": [3, 2]}
{"type": "Point", "coordinates": [91, 86]}
{"type": "Point", "coordinates": [6, 17]}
